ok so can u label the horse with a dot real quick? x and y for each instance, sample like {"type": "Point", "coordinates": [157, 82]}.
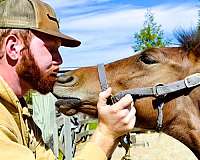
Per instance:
{"type": "Point", "coordinates": [78, 90]}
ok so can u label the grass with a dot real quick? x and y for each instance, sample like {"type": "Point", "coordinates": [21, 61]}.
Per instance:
{"type": "Point", "coordinates": [92, 126]}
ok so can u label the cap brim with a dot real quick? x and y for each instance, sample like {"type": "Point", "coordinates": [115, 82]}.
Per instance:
{"type": "Point", "coordinates": [66, 41]}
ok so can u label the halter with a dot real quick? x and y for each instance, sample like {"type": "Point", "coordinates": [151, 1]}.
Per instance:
{"type": "Point", "coordinates": [159, 91]}
{"type": "Point", "coordinates": [124, 140]}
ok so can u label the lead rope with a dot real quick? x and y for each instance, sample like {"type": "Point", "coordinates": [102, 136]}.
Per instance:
{"type": "Point", "coordinates": [160, 105]}
{"type": "Point", "coordinates": [124, 140]}
{"type": "Point", "coordinates": [127, 145]}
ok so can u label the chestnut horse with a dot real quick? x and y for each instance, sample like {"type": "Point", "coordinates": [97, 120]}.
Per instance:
{"type": "Point", "coordinates": [78, 89]}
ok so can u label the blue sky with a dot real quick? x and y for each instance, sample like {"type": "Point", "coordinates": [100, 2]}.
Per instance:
{"type": "Point", "coordinates": [106, 27]}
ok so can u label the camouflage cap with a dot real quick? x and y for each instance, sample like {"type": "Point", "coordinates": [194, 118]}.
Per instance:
{"type": "Point", "coordinates": [35, 15]}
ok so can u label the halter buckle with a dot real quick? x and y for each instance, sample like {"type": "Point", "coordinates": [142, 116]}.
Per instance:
{"type": "Point", "coordinates": [192, 80]}
{"type": "Point", "coordinates": [155, 89]}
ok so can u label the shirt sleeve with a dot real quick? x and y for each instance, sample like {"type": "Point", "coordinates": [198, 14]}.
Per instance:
{"type": "Point", "coordinates": [91, 152]}
{"type": "Point", "coordinates": [9, 149]}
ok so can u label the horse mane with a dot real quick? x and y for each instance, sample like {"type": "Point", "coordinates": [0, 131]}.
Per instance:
{"type": "Point", "coordinates": [189, 40]}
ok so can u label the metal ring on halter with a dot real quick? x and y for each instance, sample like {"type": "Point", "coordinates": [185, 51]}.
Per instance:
{"type": "Point", "coordinates": [155, 89]}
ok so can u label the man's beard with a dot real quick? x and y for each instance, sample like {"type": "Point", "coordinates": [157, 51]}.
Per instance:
{"type": "Point", "coordinates": [29, 71]}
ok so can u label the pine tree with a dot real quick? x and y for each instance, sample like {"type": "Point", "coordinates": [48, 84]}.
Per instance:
{"type": "Point", "coordinates": [151, 35]}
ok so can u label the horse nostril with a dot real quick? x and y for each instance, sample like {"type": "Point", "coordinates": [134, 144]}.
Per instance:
{"type": "Point", "coordinates": [69, 79]}
{"type": "Point", "coordinates": [65, 79]}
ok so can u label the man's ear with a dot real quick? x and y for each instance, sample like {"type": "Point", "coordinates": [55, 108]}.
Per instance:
{"type": "Point", "coordinates": [13, 47]}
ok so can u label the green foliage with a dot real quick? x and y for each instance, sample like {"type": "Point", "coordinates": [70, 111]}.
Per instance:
{"type": "Point", "coordinates": [151, 35]}
{"type": "Point", "coordinates": [92, 126]}
{"type": "Point", "coordinates": [28, 97]}
{"type": "Point", "coordinates": [60, 155]}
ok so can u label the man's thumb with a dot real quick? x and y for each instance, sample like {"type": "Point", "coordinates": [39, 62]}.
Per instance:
{"type": "Point", "coordinates": [103, 97]}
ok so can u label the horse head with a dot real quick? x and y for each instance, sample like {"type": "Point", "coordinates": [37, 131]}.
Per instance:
{"type": "Point", "coordinates": [78, 90]}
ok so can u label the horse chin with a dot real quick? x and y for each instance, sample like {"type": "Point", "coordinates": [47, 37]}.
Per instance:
{"type": "Point", "coordinates": [88, 109]}
{"type": "Point", "coordinates": [70, 106]}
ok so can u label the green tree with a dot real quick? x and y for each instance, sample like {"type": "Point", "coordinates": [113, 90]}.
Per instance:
{"type": "Point", "coordinates": [151, 35]}
{"type": "Point", "coordinates": [28, 97]}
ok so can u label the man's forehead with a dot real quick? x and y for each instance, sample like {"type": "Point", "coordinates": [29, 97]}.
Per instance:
{"type": "Point", "coordinates": [48, 38]}
{"type": "Point", "coordinates": [53, 42]}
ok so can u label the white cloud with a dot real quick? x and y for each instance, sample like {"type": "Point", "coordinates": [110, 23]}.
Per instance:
{"type": "Point", "coordinates": [57, 4]}
{"type": "Point", "coordinates": [107, 32]}
{"type": "Point", "coordinates": [174, 17]}
{"type": "Point", "coordinates": [65, 3]}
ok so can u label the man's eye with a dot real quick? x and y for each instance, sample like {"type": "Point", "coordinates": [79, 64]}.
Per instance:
{"type": "Point", "coordinates": [53, 50]}
{"type": "Point", "coordinates": [147, 59]}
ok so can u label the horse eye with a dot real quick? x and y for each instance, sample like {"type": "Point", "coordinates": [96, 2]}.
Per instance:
{"type": "Point", "coordinates": [147, 59]}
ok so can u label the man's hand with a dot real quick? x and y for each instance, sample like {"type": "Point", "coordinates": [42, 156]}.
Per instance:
{"type": "Point", "coordinates": [114, 121]}
{"type": "Point", "coordinates": [117, 119]}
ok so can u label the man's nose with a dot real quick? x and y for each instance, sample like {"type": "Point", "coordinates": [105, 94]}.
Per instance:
{"type": "Point", "coordinates": [57, 58]}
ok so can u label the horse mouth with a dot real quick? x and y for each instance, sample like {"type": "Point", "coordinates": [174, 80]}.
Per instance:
{"type": "Point", "coordinates": [68, 106]}
{"type": "Point", "coordinates": [72, 105]}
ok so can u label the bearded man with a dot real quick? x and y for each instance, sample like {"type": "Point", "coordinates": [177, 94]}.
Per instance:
{"type": "Point", "coordinates": [29, 59]}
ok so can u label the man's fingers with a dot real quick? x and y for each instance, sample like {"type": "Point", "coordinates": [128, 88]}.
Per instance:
{"type": "Point", "coordinates": [103, 97]}
{"type": "Point", "coordinates": [130, 116]}
{"type": "Point", "coordinates": [125, 102]}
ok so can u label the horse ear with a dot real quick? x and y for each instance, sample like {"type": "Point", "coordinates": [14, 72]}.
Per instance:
{"type": "Point", "coordinates": [196, 49]}
{"type": "Point", "coordinates": [195, 43]}
{"type": "Point", "coordinates": [189, 41]}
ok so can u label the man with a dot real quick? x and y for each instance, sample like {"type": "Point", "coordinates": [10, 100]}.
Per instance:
{"type": "Point", "coordinates": [29, 59]}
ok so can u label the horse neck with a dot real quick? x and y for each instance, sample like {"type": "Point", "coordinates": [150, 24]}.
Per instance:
{"type": "Point", "coordinates": [195, 97]}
